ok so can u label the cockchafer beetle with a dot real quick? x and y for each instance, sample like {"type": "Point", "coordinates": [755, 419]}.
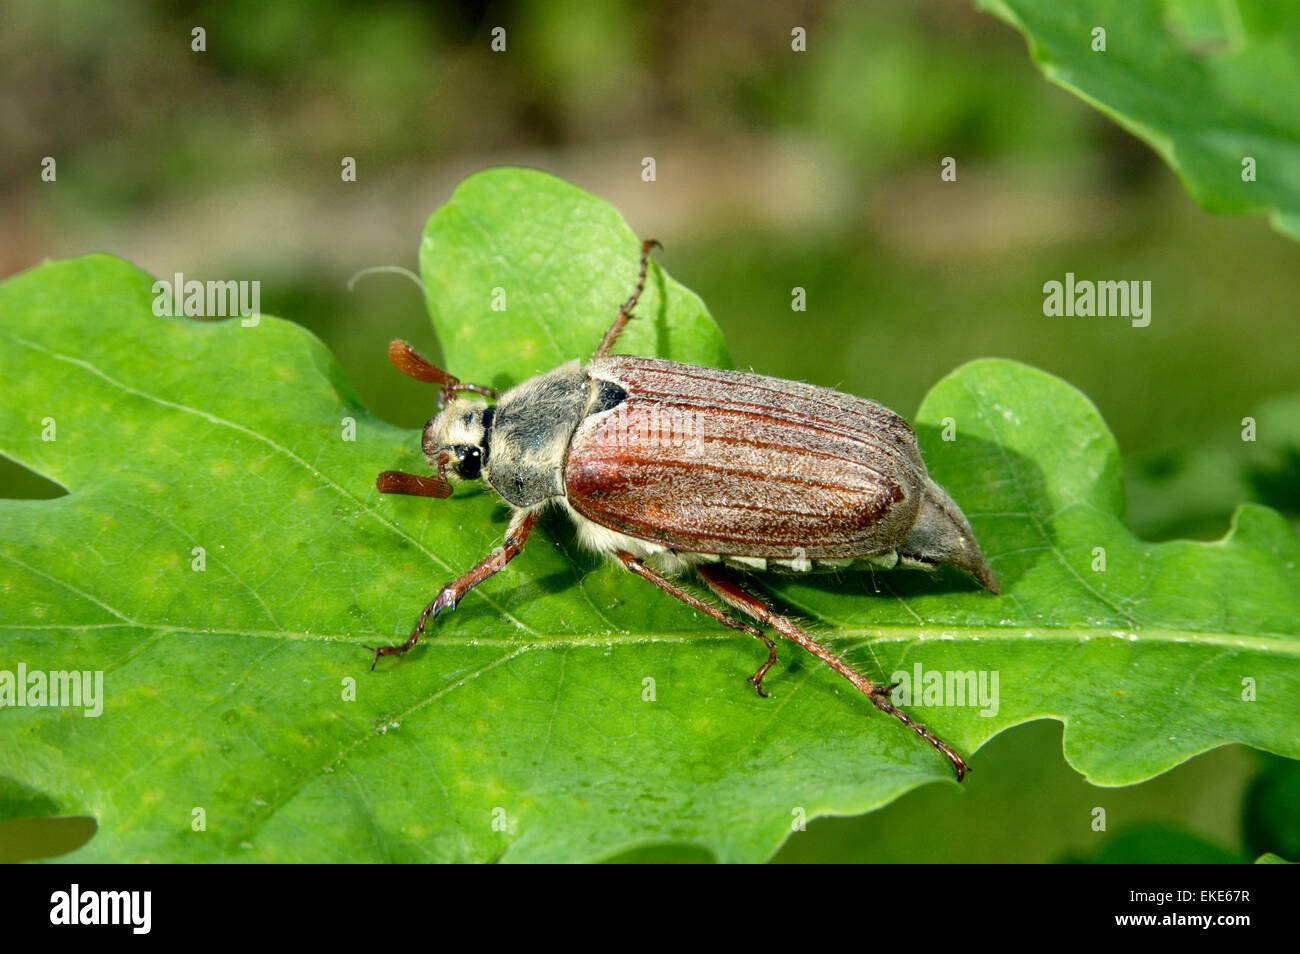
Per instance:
{"type": "Point", "coordinates": [668, 467]}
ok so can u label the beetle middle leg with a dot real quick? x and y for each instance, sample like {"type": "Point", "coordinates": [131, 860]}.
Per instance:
{"type": "Point", "coordinates": [521, 524]}
{"type": "Point", "coordinates": [635, 564]}
{"type": "Point", "coordinates": [625, 312]}
{"type": "Point", "coordinates": [730, 592]}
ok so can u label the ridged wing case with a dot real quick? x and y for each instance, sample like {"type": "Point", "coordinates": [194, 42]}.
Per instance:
{"type": "Point", "coordinates": [728, 462]}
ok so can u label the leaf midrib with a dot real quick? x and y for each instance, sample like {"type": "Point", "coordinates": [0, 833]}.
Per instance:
{"type": "Point", "coordinates": [1281, 643]}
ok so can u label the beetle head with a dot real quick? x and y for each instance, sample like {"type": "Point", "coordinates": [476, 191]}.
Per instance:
{"type": "Point", "coordinates": [942, 535]}
{"type": "Point", "coordinates": [458, 437]}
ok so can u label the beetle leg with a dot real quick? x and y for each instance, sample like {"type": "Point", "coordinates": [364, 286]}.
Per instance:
{"type": "Point", "coordinates": [638, 567]}
{"type": "Point", "coordinates": [731, 593]}
{"type": "Point", "coordinates": [521, 524]}
{"type": "Point", "coordinates": [714, 581]}
{"type": "Point", "coordinates": [625, 312]}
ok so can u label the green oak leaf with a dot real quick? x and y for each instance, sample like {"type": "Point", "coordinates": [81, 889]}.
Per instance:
{"type": "Point", "coordinates": [1206, 84]}
{"type": "Point", "coordinates": [524, 271]}
{"type": "Point", "coordinates": [566, 710]}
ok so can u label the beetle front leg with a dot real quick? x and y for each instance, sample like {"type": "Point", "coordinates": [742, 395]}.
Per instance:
{"type": "Point", "coordinates": [521, 524]}
{"type": "Point", "coordinates": [731, 593]}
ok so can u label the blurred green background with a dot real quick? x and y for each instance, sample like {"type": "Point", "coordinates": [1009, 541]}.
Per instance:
{"type": "Point", "coordinates": [775, 169]}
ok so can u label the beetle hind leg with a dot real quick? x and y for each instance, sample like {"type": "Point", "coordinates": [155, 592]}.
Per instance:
{"type": "Point", "coordinates": [730, 592]}
{"type": "Point", "coordinates": [637, 566]}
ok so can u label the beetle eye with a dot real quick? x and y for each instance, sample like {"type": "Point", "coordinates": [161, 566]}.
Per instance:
{"type": "Point", "coordinates": [468, 461]}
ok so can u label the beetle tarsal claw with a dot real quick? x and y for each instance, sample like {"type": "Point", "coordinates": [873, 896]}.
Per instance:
{"type": "Point", "coordinates": [383, 651]}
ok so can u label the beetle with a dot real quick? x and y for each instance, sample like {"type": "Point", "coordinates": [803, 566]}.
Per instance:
{"type": "Point", "coordinates": [669, 468]}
